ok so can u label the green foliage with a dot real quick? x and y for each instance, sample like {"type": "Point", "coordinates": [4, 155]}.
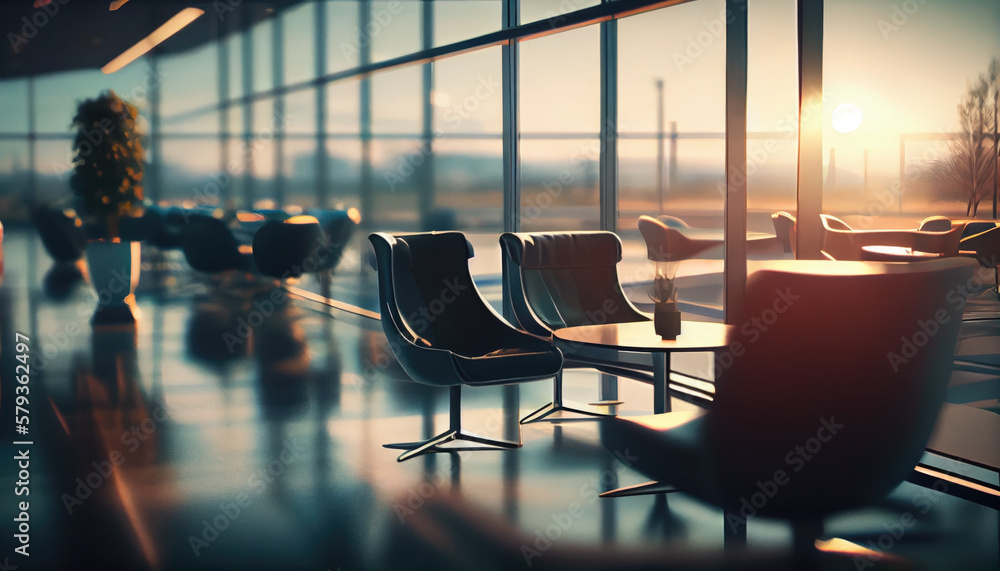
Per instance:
{"type": "Point", "coordinates": [108, 158]}
{"type": "Point", "coordinates": [968, 170]}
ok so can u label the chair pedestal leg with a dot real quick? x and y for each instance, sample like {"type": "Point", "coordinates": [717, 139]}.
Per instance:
{"type": "Point", "coordinates": [559, 405]}
{"type": "Point", "coordinates": [453, 434]}
{"type": "Point", "coordinates": [645, 489]}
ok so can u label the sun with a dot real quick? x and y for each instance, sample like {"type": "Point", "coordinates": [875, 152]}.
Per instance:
{"type": "Point", "coordinates": [847, 117]}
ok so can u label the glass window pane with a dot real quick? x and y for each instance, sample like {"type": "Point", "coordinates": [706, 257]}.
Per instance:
{"type": "Point", "coordinates": [300, 172]}
{"type": "Point", "coordinates": [772, 111]}
{"type": "Point", "coordinates": [397, 183]}
{"type": "Point", "coordinates": [463, 19]}
{"type": "Point", "coordinates": [263, 52]}
{"type": "Point", "coordinates": [394, 29]}
{"type": "Point", "coordinates": [672, 128]}
{"type": "Point", "coordinates": [14, 95]}
{"type": "Point", "coordinates": [190, 81]}
{"type": "Point", "coordinates": [468, 184]}
{"type": "Point", "coordinates": [57, 95]}
{"type": "Point", "coordinates": [560, 152]}
{"type": "Point", "coordinates": [343, 42]}
{"type": "Point", "coordinates": [14, 169]}
{"type": "Point", "coordinates": [53, 167]}
{"type": "Point", "coordinates": [343, 112]}
{"type": "Point", "coordinates": [343, 172]}
{"type": "Point", "coordinates": [207, 122]}
{"type": "Point", "coordinates": [559, 184]}
{"type": "Point", "coordinates": [560, 82]}
{"type": "Point", "coordinates": [300, 110]}
{"type": "Point", "coordinates": [532, 10]}
{"type": "Point", "coordinates": [234, 47]}
{"type": "Point", "coordinates": [299, 34]}
{"type": "Point", "coordinates": [396, 101]}
{"type": "Point", "coordinates": [190, 167]}
{"type": "Point", "coordinates": [468, 94]}
{"type": "Point", "coordinates": [905, 84]}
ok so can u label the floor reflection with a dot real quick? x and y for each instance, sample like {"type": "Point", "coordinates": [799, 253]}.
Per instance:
{"type": "Point", "coordinates": [247, 429]}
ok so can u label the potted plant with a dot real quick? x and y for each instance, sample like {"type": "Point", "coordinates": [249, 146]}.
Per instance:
{"type": "Point", "coordinates": [108, 160]}
{"type": "Point", "coordinates": [666, 317]}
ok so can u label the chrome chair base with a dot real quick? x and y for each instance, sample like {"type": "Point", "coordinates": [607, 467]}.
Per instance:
{"type": "Point", "coordinates": [414, 449]}
{"type": "Point", "coordinates": [645, 489]}
{"type": "Point", "coordinates": [544, 414]}
{"type": "Point", "coordinates": [453, 434]}
{"type": "Point", "coordinates": [598, 409]}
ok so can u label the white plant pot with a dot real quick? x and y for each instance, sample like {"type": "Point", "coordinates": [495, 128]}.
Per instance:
{"type": "Point", "coordinates": [114, 273]}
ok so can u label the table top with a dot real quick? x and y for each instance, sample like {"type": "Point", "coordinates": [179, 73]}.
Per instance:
{"type": "Point", "coordinates": [640, 336]}
{"type": "Point", "coordinates": [895, 254]}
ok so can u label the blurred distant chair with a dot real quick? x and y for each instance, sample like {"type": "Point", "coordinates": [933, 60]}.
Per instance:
{"type": "Point", "coordinates": [835, 223]}
{"type": "Point", "coordinates": [339, 227]}
{"type": "Point", "coordinates": [290, 248]}
{"type": "Point", "coordinates": [665, 243]}
{"type": "Point", "coordinates": [161, 230]}
{"type": "Point", "coordinates": [985, 248]}
{"type": "Point", "coordinates": [935, 224]}
{"type": "Point", "coordinates": [569, 279]}
{"type": "Point", "coordinates": [62, 233]}
{"type": "Point", "coordinates": [784, 229]}
{"type": "Point", "coordinates": [840, 242]}
{"type": "Point", "coordinates": [669, 242]}
{"type": "Point", "coordinates": [872, 416]}
{"type": "Point", "coordinates": [210, 247]}
{"type": "Point", "coordinates": [443, 332]}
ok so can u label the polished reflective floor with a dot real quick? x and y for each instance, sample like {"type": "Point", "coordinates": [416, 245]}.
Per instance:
{"type": "Point", "coordinates": [240, 427]}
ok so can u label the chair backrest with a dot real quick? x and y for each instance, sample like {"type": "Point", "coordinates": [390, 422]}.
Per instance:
{"type": "Point", "coordinates": [935, 224]}
{"type": "Point", "coordinates": [986, 245]}
{"type": "Point", "coordinates": [672, 221]}
{"type": "Point", "coordinates": [973, 228]}
{"type": "Point", "coordinates": [846, 245]}
{"type": "Point", "coordinates": [784, 229]}
{"type": "Point", "coordinates": [566, 279]}
{"type": "Point", "coordinates": [209, 246]}
{"type": "Point", "coordinates": [430, 306]}
{"type": "Point", "coordinates": [841, 372]}
{"type": "Point", "coordinates": [666, 244]}
{"type": "Point", "coordinates": [831, 221]}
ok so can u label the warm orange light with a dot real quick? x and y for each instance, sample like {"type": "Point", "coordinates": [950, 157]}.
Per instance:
{"type": "Point", "coordinates": [250, 217]}
{"type": "Point", "coordinates": [171, 27]}
{"type": "Point", "coordinates": [354, 214]}
{"type": "Point", "coordinates": [302, 219]}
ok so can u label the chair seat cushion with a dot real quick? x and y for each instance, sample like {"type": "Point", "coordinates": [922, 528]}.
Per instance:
{"type": "Point", "coordinates": [513, 364]}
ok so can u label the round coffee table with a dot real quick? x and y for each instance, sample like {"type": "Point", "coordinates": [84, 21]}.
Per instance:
{"type": "Point", "coordinates": [695, 337]}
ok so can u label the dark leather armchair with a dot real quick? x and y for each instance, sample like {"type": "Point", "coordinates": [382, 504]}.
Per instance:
{"type": "Point", "coordinates": [302, 244]}
{"type": "Point", "coordinates": [443, 333]}
{"type": "Point", "coordinates": [210, 247]}
{"type": "Point", "coordinates": [796, 428]}
{"type": "Point", "coordinates": [565, 280]}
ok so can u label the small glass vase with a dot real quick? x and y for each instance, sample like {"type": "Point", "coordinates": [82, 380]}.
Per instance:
{"type": "Point", "coordinates": [667, 320]}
